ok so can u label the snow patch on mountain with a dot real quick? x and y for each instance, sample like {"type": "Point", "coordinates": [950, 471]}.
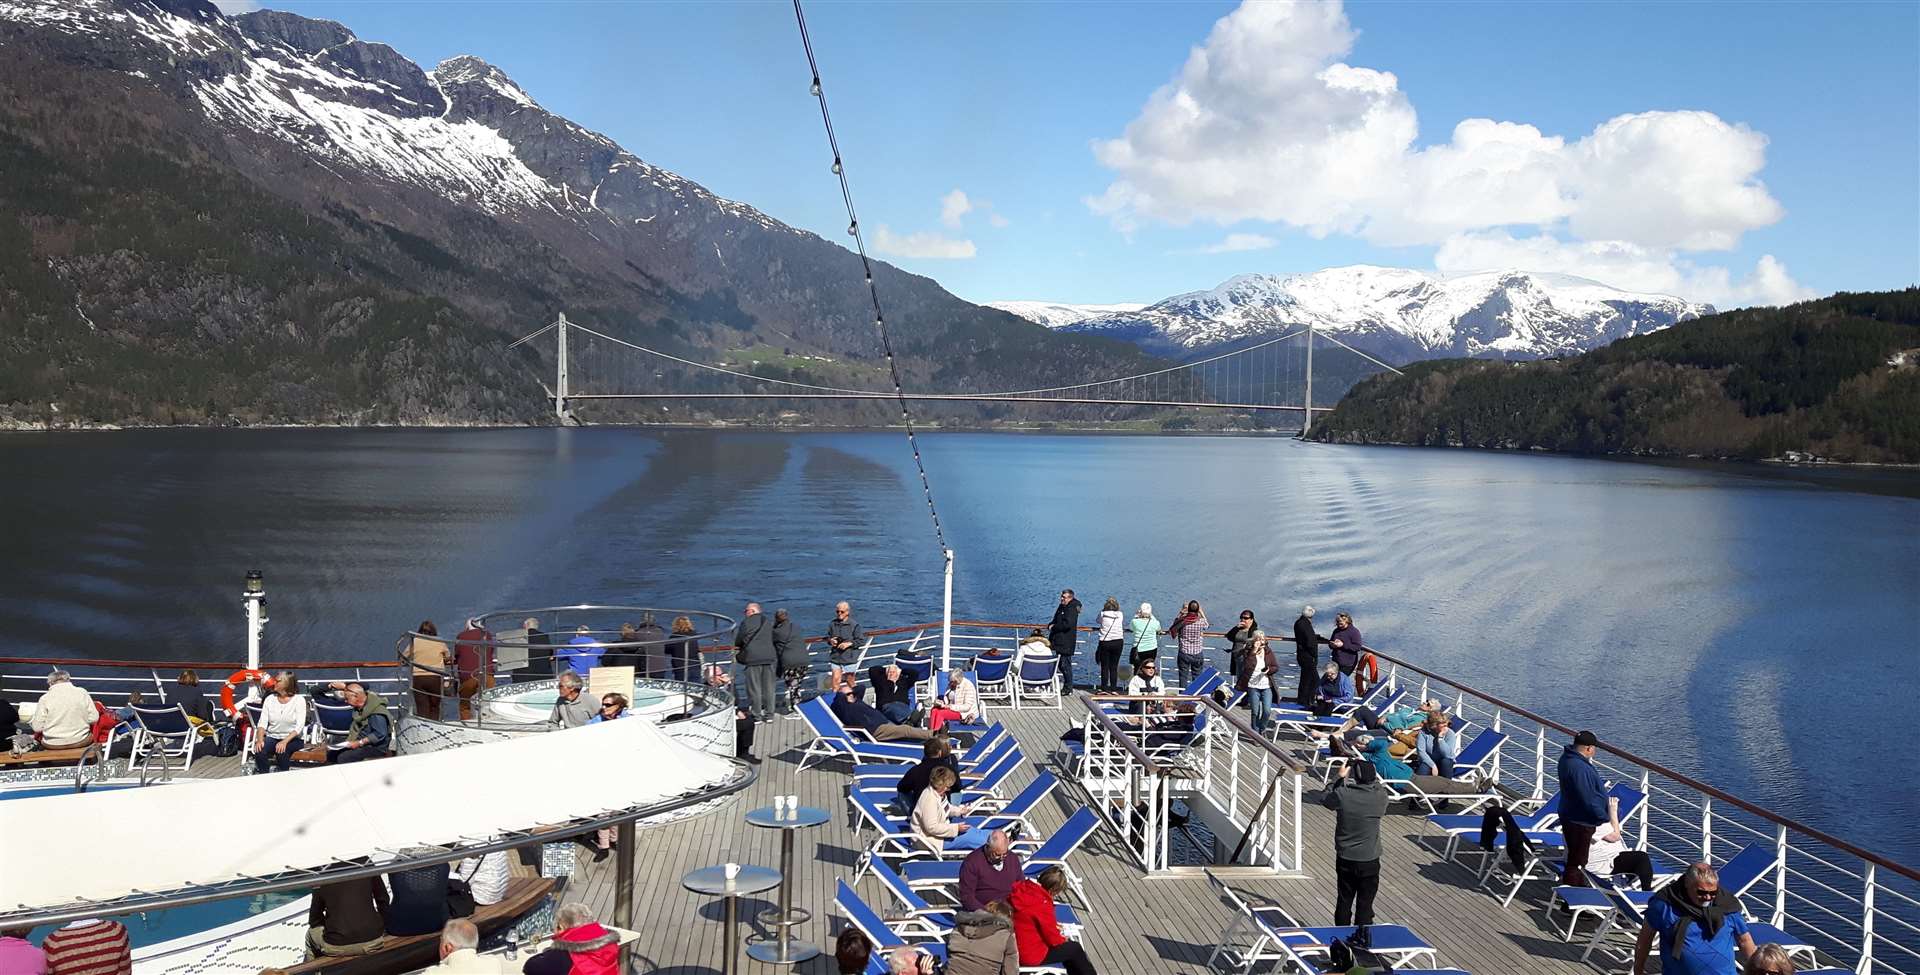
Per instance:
{"type": "Point", "coordinates": [1402, 314]}
{"type": "Point", "coordinates": [1054, 314]}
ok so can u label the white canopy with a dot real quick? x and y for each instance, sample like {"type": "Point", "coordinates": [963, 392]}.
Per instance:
{"type": "Point", "coordinates": [66, 850]}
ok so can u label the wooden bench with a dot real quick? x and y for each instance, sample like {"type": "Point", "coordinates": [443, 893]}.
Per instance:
{"type": "Point", "coordinates": [47, 756]}
{"type": "Point", "coordinates": [422, 950]}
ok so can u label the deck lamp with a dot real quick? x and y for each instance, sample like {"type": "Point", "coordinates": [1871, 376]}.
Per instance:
{"type": "Point", "coordinates": [255, 581]}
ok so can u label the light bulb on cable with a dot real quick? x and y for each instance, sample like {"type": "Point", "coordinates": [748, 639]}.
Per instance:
{"type": "Point", "coordinates": [816, 86]}
{"type": "Point", "coordinates": [836, 165]}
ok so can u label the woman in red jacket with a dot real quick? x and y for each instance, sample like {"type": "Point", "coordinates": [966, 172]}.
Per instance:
{"type": "Point", "coordinates": [1035, 929]}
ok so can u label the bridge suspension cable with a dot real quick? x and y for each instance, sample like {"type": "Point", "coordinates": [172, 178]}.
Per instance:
{"type": "Point", "coordinates": [873, 292]}
{"type": "Point", "coordinates": [702, 365]}
{"type": "Point", "coordinates": [1157, 372]}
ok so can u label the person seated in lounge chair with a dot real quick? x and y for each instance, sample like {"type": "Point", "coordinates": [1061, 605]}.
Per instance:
{"type": "Point", "coordinates": [1610, 855]}
{"type": "Point", "coordinates": [932, 820]}
{"type": "Point", "coordinates": [938, 753]}
{"type": "Point", "coordinates": [1437, 744]}
{"type": "Point", "coordinates": [1335, 688]}
{"type": "Point", "coordinates": [960, 703]}
{"type": "Point", "coordinates": [1394, 770]}
{"type": "Point", "coordinates": [371, 733]}
{"type": "Point", "coordinates": [1035, 644]}
{"type": "Point", "coordinates": [855, 713]}
{"type": "Point", "coordinates": [65, 714]}
{"type": "Point", "coordinates": [891, 695]}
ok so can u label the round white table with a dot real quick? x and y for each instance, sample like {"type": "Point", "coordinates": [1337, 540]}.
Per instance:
{"type": "Point", "coordinates": [713, 882]}
{"type": "Point", "coordinates": [783, 948]}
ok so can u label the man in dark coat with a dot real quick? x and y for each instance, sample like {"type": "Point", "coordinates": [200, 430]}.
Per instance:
{"type": "Point", "coordinates": [539, 651]}
{"type": "Point", "coordinates": [790, 655]}
{"type": "Point", "coordinates": [653, 656]}
{"type": "Point", "coordinates": [1306, 652]}
{"type": "Point", "coordinates": [753, 650]}
{"type": "Point", "coordinates": [1063, 633]}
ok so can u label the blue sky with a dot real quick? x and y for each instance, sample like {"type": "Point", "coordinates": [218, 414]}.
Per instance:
{"type": "Point", "coordinates": [1772, 150]}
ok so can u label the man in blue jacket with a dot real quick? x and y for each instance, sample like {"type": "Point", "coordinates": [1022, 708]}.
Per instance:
{"type": "Point", "coordinates": [1583, 804]}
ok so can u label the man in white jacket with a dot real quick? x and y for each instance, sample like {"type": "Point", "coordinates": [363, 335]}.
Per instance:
{"type": "Point", "coordinates": [459, 953]}
{"type": "Point", "coordinates": [65, 715]}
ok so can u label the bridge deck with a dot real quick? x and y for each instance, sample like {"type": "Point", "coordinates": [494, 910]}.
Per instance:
{"type": "Point", "coordinates": [1135, 925]}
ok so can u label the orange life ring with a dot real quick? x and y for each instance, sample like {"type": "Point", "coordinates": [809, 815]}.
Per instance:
{"type": "Point", "coordinates": [238, 678]}
{"type": "Point", "coordinates": [1369, 668]}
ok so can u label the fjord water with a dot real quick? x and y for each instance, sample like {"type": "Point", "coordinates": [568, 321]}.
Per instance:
{"type": "Point", "coordinates": [1755, 631]}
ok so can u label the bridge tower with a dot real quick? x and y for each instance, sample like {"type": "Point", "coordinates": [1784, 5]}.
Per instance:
{"type": "Point", "coordinates": [560, 380]}
{"type": "Point", "coordinates": [1307, 423]}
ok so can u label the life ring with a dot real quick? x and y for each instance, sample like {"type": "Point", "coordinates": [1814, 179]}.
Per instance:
{"type": "Point", "coordinates": [238, 678]}
{"type": "Point", "coordinates": [1369, 668]}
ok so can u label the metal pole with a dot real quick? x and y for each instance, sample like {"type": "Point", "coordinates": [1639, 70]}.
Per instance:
{"type": "Point", "coordinates": [946, 619]}
{"type": "Point", "coordinates": [623, 884]}
{"type": "Point", "coordinates": [1306, 424]}
{"type": "Point", "coordinates": [560, 380]}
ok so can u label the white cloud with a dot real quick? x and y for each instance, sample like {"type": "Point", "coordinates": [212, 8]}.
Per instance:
{"type": "Point", "coordinates": [953, 206]}
{"type": "Point", "coordinates": [997, 220]}
{"type": "Point", "coordinates": [1266, 122]}
{"type": "Point", "coordinates": [231, 7]}
{"type": "Point", "coordinates": [1623, 265]}
{"type": "Point", "coordinates": [1234, 243]}
{"type": "Point", "coordinates": [922, 245]}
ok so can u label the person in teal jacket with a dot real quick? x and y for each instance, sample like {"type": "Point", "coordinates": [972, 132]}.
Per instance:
{"type": "Point", "coordinates": [1146, 635]}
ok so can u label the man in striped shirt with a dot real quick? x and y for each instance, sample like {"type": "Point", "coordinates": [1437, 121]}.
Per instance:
{"type": "Point", "coordinates": [90, 947]}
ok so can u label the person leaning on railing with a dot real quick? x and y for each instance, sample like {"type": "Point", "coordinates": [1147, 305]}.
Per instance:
{"type": "Point", "coordinates": [429, 658]}
{"type": "Point", "coordinates": [472, 664]}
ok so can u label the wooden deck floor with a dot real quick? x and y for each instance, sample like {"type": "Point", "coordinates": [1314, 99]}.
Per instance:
{"type": "Point", "coordinates": [1135, 925]}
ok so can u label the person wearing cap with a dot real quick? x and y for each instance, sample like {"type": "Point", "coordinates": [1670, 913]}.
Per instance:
{"type": "Point", "coordinates": [1306, 653]}
{"type": "Point", "coordinates": [1583, 805]}
{"type": "Point", "coordinates": [1358, 801]}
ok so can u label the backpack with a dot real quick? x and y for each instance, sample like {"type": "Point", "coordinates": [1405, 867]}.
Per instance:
{"type": "Point", "coordinates": [226, 741]}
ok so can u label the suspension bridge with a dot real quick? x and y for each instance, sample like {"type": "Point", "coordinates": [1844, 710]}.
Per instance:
{"type": "Point", "coordinates": [1271, 375]}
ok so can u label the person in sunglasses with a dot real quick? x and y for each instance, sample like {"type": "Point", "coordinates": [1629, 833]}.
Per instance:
{"type": "Point", "coordinates": [1769, 959]}
{"type": "Point", "coordinates": [1699, 926]}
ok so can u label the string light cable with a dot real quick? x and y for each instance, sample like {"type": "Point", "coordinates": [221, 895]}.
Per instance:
{"type": "Point", "coordinates": [866, 265]}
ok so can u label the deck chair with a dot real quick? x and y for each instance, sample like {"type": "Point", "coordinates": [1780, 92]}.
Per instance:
{"type": "Point", "coordinates": [1460, 827]}
{"type": "Point", "coordinates": [927, 920]}
{"type": "Point", "coordinates": [886, 776]}
{"type": "Point", "coordinates": [1038, 681]}
{"type": "Point", "coordinates": [1316, 966]}
{"type": "Point", "coordinates": [1471, 764]}
{"type": "Point", "coordinates": [252, 711]}
{"type": "Point", "coordinates": [833, 739]}
{"type": "Point", "coordinates": [1754, 863]}
{"type": "Point", "coordinates": [1035, 856]}
{"type": "Point", "coordinates": [1259, 934]}
{"type": "Point", "coordinates": [1592, 901]}
{"type": "Point", "coordinates": [1551, 843]}
{"type": "Point", "coordinates": [163, 734]}
{"type": "Point", "coordinates": [916, 668]}
{"type": "Point", "coordinates": [868, 921]}
{"type": "Point", "coordinates": [334, 722]}
{"type": "Point", "coordinates": [1301, 721]}
{"type": "Point", "coordinates": [994, 677]}
{"type": "Point", "coordinates": [984, 751]}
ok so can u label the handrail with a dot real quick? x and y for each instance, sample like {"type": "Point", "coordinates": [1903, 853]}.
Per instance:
{"type": "Point", "coordinates": [1246, 731]}
{"type": "Point", "coordinates": [1653, 766]}
{"type": "Point", "coordinates": [1648, 764]}
{"type": "Point", "coordinates": [190, 665]}
{"type": "Point", "coordinates": [1119, 734]}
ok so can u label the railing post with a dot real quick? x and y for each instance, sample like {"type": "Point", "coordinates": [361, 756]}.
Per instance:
{"type": "Point", "coordinates": [946, 620]}
{"type": "Point", "coordinates": [1780, 877]}
{"type": "Point", "coordinates": [1706, 828]}
{"type": "Point", "coordinates": [1865, 965]}
{"type": "Point", "coordinates": [1299, 846]}
{"type": "Point", "coordinates": [1646, 812]}
{"type": "Point", "coordinates": [1540, 764]}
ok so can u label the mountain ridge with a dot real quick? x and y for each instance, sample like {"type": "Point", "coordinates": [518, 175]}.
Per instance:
{"type": "Point", "coordinates": [369, 209]}
{"type": "Point", "coordinates": [1400, 314]}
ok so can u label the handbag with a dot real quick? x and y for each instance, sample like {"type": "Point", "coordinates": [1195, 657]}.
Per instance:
{"type": "Point", "coordinates": [460, 901]}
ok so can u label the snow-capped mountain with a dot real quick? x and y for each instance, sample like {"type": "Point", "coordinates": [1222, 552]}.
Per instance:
{"type": "Point", "coordinates": [1054, 314]}
{"type": "Point", "coordinates": [369, 230]}
{"type": "Point", "coordinates": [1401, 315]}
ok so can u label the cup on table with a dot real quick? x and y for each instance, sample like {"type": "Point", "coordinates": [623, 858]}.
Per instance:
{"type": "Point", "coordinates": [731, 869]}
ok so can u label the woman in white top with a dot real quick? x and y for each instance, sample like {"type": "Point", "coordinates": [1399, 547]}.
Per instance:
{"type": "Point", "coordinates": [960, 703]}
{"type": "Point", "coordinates": [1106, 653]}
{"type": "Point", "coordinates": [1256, 678]}
{"type": "Point", "coordinates": [1609, 854]}
{"type": "Point", "coordinates": [283, 719]}
{"type": "Point", "coordinates": [933, 816]}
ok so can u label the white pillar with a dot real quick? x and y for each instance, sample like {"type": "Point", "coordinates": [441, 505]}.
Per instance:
{"type": "Point", "coordinates": [946, 619]}
{"type": "Point", "coordinates": [256, 624]}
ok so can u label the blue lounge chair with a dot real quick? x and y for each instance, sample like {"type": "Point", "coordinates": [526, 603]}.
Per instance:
{"type": "Point", "coordinates": [334, 723]}
{"type": "Point", "coordinates": [926, 920]}
{"type": "Point", "coordinates": [986, 785]}
{"type": "Point", "coordinates": [916, 668]}
{"type": "Point", "coordinates": [980, 754]}
{"type": "Point", "coordinates": [1551, 843]}
{"type": "Point", "coordinates": [1053, 852]}
{"type": "Point", "coordinates": [994, 677]}
{"type": "Point", "coordinates": [832, 739]}
{"type": "Point", "coordinates": [941, 682]}
{"type": "Point", "coordinates": [1591, 901]}
{"type": "Point", "coordinates": [868, 921]}
{"type": "Point", "coordinates": [1259, 934]}
{"type": "Point", "coordinates": [163, 734]}
{"type": "Point", "coordinates": [1038, 681]}
{"type": "Point", "coordinates": [1461, 826]}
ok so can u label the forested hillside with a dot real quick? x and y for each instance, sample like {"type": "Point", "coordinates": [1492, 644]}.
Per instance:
{"type": "Point", "coordinates": [1838, 378]}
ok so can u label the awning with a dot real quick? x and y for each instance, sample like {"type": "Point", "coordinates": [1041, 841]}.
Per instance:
{"type": "Point", "coordinates": [138, 849]}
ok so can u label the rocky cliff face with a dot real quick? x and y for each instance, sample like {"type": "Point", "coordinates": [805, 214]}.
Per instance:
{"type": "Point", "coordinates": [298, 224]}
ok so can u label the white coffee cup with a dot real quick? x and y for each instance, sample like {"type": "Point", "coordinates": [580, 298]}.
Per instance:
{"type": "Point", "coordinates": [732, 870]}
